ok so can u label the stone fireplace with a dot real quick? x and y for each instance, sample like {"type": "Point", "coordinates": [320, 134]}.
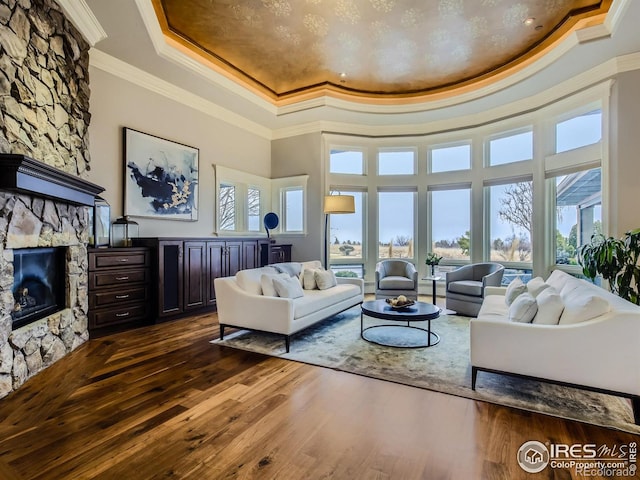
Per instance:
{"type": "Point", "coordinates": [44, 115]}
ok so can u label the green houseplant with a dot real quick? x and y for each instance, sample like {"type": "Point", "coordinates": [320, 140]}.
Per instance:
{"type": "Point", "coordinates": [616, 260]}
{"type": "Point", "coordinates": [432, 260]}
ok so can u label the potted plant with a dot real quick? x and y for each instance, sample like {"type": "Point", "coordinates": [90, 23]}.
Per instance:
{"type": "Point", "coordinates": [432, 260]}
{"type": "Point", "coordinates": [616, 260]}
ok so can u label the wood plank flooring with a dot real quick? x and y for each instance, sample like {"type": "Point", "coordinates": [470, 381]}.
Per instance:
{"type": "Point", "coordinates": [162, 402]}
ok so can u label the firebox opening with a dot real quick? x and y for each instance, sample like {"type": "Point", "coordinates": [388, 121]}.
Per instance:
{"type": "Point", "coordinates": [38, 283]}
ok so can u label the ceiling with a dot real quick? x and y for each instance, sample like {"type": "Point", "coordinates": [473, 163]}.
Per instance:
{"type": "Point", "coordinates": [400, 49]}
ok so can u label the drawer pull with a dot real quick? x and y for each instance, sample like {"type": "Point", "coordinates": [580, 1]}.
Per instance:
{"type": "Point", "coordinates": [122, 278]}
{"type": "Point", "coordinates": [120, 297]}
{"type": "Point", "coordinates": [123, 260]}
{"type": "Point", "coordinates": [120, 315]}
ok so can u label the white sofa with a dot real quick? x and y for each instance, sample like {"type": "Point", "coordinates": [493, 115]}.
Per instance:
{"type": "Point", "coordinates": [241, 304]}
{"type": "Point", "coordinates": [600, 354]}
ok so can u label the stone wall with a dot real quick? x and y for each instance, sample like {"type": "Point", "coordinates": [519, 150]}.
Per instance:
{"type": "Point", "coordinates": [44, 114]}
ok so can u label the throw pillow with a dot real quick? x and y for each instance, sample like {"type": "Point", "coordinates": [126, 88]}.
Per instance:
{"type": "Point", "coordinates": [523, 308]}
{"type": "Point", "coordinates": [309, 278]}
{"type": "Point", "coordinates": [514, 289]}
{"type": "Point", "coordinates": [535, 286]}
{"type": "Point", "coordinates": [550, 307]}
{"type": "Point", "coordinates": [325, 279]}
{"type": "Point", "coordinates": [266, 282]}
{"type": "Point", "coordinates": [292, 268]}
{"type": "Point", "coordinates": [288, 287]}
{"type": "Point", "coordinates": [580, 308]}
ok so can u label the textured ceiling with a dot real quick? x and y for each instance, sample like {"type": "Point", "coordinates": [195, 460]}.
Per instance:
{"type": "Point", "coordinates": [375, 49]}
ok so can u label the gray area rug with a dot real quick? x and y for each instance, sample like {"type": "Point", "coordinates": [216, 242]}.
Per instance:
{"type": "Point", "coordinates": [335, 343]}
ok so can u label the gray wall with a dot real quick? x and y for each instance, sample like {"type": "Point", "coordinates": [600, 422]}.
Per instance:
{"type": "Point", "coordinates": [302, 155]}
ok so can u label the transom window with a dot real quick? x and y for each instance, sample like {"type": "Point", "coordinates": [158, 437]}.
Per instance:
{"type": "Point", "coordinates": [579, 131]}
{"type": "Point", "coordinates": [450, 158]}
{"type": "Point", "coordinates": [396, 162]}
{"type": "Point", "coordinates": [346, 162]}
{"type": "Point", "coordinates": [510, 148]}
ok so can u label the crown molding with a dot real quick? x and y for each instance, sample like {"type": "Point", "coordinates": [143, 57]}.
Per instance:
{"type": "Point", "coordinates": [125, 71]}
{"type": "Point", "coordinates": [79, 13]}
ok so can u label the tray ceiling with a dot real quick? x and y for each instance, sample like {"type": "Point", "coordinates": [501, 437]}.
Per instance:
{"type": "Point", "coordinates": [374, 50]}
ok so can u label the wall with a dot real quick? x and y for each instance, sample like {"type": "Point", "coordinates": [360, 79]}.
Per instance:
{"type": "Point", "coordinates": [302, 155]}
{"type": "Point", "coordinates": [116, 103]}
{"type": "Point", "coordinates": [44, 113]}
{"type": "Point", "coordinates": [625, 152]}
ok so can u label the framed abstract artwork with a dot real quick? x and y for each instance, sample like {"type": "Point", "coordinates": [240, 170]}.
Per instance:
{"type": "Point", "coordinates": [160, 177]}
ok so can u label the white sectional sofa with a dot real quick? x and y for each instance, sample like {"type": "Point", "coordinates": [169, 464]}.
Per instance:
{"type": "Point", "coordinates": [242, 304]}
{"type": "Point", "coordinates": [594, 344]}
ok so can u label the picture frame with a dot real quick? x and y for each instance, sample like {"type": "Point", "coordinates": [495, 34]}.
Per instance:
{"type": "Point", "coordinates": [160, 177]}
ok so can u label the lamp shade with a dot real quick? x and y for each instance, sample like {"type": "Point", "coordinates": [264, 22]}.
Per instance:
{"type": "Point", "coordinates": [339, 204]}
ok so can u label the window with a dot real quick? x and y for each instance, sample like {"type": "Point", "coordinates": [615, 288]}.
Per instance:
{"type": "Point", "coordinates": [511, 148]}
{"type": "Point", "coordinates": [510, 208]}
{"type": "Point", "coordinates": [451, 223]}
{"type": "Point", "coordinates": [227, 207]}
{"type": "Point", "coordinates": [579, 131]}
{"type": "Point", "coordinates": [450, 158]}
{"type": "Point", "coordinates": [396, 162]}
{"type": "Point", "coordinates": [253, 209]}
{"type": "Point", "coordinates": [292, 208]}
{"type": "Point", "coordinates": [578, 212]}
{"type": "Point", "coordinates": [346, 232]}
{"type": "Point", "coordinates": [395, 224]}
{"type": "Point", "coordinates": [346, 162]}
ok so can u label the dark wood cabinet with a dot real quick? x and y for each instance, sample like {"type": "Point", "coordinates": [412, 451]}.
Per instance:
{"type": "Point", "coordinates": [119, 288]}
{"type": "Point", "coordinates": [186, 269]}
{"type": "Point", "coordinates": [280, 253]}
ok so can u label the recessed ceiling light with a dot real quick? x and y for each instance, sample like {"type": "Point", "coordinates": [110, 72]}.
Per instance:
{"type": "Point", "coordinates": [529, 21]}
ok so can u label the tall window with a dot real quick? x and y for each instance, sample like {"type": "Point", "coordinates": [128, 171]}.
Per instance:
{"type": "Point", "coordinates": [346, 232]}
{"type": "Point", "coordinates": [253, 209]}
{"type": "Point", "coordinates": [451, 223]}
{"type": "Point", "coordinates": [395, 224]}
{"type": "Point", "coordinates": [450, 158]}
{"type": "Point", "coordinates": [579, 131]}
{"type": "Point", "coordinates": [346, 161]}
{"type": "Point", "coordinates": [396, 162]}
{"type": "Point", "coordinates": [227, 207]}
{"type": "Point", "coordinates": [579, 212]}
{"type": "Point", "coordinates": [293, 209]}
{"type": "Point", "coordinates": [511, 213]}
{"type": "Point", "coordinates": [510, 148]}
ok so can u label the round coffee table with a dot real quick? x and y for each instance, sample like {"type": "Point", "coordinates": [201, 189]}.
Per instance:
{"type": "Point", "coordinates": [400, 336]}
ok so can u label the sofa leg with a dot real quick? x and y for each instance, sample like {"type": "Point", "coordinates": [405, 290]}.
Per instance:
{"type": "Point", "coordinates": [474, 376]}
{"type": "Point", "coordinates": [635, 406]}
{"type": "Point", "coordinates": [221, 332]}
{"type": "Point", "coordinates": [287, 342]}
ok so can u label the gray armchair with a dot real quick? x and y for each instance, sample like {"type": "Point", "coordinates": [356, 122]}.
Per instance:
{"type": "Point", "coordinates": [396, 277]}
{"type": "Point", "coordinates": [465, 286]}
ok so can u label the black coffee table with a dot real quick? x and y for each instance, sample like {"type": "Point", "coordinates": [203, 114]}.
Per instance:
{"type": "Point", "coordinates": [401, 336]}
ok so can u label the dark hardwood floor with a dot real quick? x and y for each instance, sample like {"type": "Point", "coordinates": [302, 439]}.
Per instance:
{"type": "Point", "coordinates": [162, 402]}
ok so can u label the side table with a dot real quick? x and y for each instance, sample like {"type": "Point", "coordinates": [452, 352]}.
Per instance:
{"type": "Point", "coordinates": [433, 280]}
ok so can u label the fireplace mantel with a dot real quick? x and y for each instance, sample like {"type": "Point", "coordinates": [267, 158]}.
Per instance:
{"type": "Point", "coordinates": [24, 175]}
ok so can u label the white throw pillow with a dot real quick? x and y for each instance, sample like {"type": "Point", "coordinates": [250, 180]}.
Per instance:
{"type": "Point", "coordinates": [514, 289]}
{"type": "Point", "coordinates": [580, 308]}
{"type": "Point", "coordinates": [288, 287]}
{"type": "Point", "coordinates": [309, 278]}
{"type": "Point", "coordinates": [325, 279]}
{"type": "Point", "coordinates": [523, 308]}
{"type": "Point", "coordinates": [550, 307]}
{"type": "Point", "coordinates": [535, 286]}
{"type": "Point", "coordinates": [266, 282]}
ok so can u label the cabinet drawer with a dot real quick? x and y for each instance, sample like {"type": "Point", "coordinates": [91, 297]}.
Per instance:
{"type": "Point", "coordinates": [122, 277]}
{"type": "Point", "coordinates": [117, 259]}
{"type": "Point", "coordinates": [115, 316]}
{"type": "Point", "coordinates": [120, 296]}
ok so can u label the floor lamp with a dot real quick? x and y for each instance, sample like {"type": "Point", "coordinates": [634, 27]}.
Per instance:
{"type": "Point", "coordinates": [335, 204]}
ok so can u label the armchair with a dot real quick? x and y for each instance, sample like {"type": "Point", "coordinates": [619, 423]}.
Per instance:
{"type": "Point", "coordinates": [465, 286]}
{"type": "Point", "coordinates": [396, 277]}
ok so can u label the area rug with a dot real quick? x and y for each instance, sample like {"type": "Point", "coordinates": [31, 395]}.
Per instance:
{"type": "Point", "coordinates": [335, 343]}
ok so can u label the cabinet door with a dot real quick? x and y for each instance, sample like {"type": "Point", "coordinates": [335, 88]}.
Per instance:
{"type": "Point", "coordinates": [216, 267]}
{"type": "Point", "coordinates": [171, 280]}
{"type": "Point", "coordinates": [195, 280]}
{"type": "Point", "coordinates": [234, 258]}
{"type": "Point", "coordinates": [250, 255]}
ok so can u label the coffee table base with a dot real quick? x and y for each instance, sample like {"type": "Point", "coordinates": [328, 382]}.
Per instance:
{"type": "Point", "coordinates": [400, 336]}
